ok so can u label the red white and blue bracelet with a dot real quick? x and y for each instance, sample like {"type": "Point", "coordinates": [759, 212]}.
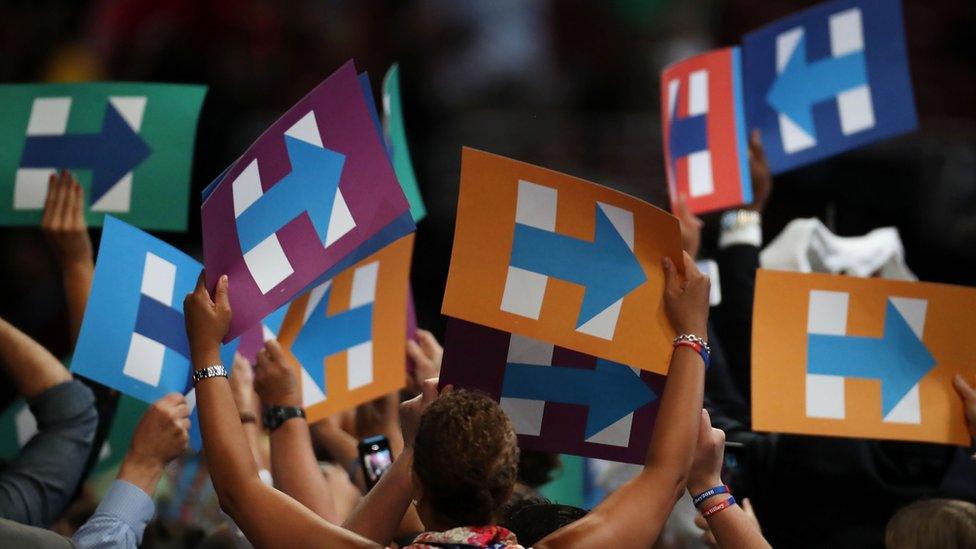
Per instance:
{"type": "Point", "coordinates": [694, 342]}
{"type": "Point", "coordinates": [710, 493]}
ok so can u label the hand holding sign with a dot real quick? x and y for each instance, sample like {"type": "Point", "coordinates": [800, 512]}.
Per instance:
{"type": "Point", "coordinates": [686, 300]}
{"type": "Point", "coordinates": [274, 377]}
{"type": "Point", "coordinates": [968, 394]}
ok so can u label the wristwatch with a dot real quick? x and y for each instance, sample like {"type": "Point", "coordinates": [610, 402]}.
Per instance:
{"type": "Point", "coordinates": [214, 370]}
{"type": "Point", "coordinates": [274, 416]}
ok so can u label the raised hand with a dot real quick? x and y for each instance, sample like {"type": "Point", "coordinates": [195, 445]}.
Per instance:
{"type": "Point", "coordinates": [706, 469]}
{"type": "Point", "coordinates": [968, 394]}
{"type": "Point", "coordinates": [411, 410]}
{"type": "Point", "coordinates": [63, 221]}
{"type": "Point", "coordinates": [274, 377]}
{"type": "Point", "coordinates": [426, 354]}
{"type": "Point", "coordinates": [207, 320]}
{"type": "Point", "coordinates": [686, 300]}
{"type": "Point", "coordinates": [161, 436]}
{"type": "Point", "coordinates": [762, 179]}
{"type": "Point", "coordinates": [691, 228]}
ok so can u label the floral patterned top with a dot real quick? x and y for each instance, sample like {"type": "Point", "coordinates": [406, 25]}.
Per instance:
{"type": "Point", "coordinates": [486, 537]}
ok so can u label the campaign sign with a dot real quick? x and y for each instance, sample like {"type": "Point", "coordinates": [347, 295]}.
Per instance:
{"type": "Point", "coordinates": [705, 142]}
{"type": "Point", "coordinates": [558, 400]}
{"type": "Point", "coordinates": [828, 79]}
{"type": "Point", "coordinates": [347, 336]}
{"type": "Point", "coordinates": [314, 194]}
{"type": "Point", "coordinates": [860, 357]}
{"type": "Point", "coordinates": [560, 259]}
{"type": "Point", "coordinates": [396, 138]}
{"type": "Point", "coordinates": [133, 337]}
{"type": "Point", "coordinates": [129, 144]}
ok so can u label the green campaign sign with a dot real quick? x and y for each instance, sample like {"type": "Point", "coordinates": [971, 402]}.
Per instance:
{"type": "Point", "coordinates": [130, 145]}
{"type": "Point", "coordinates": [396, 136]}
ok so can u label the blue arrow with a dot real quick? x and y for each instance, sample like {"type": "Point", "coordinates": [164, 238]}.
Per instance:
{"type": "Point", "coordinates": [323, 335]}
{"type": "Point", "coordinates": [803, 84]}
{"type": "Point", "coordinates": [687, 135]}
{"type": "Point", "coordinates": [898, 359]}
{"type": "Point", "coordinates": [110, 154]}
{"type": "Point", "coordinates": [606, 267]}
{"type": "Point", "coordinates": [310, 187]}
{"type": "Point", "coordinates": [611, 391]}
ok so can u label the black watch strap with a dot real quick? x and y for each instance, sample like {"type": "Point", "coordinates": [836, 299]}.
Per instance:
{"type": "Point", "coordinates": [274, 416]}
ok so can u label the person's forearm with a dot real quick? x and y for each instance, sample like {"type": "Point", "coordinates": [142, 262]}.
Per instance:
{"type": "Point", "coordinates": [142, 474]}
{"type": "Point", "coordinates": [296, 471]}
{"type": "Point", "coordinates": [672, 446]}
{"type": "Point", "coordinates": [732, 528]}
{"type": "Point", "coordinates": [379, 514]}
{"type": "Point", "coordinates": [224, 440]}
{"type": "Point", "coordinates": [77, 279]}
{"type": "Point", "coordinates": [29, 365]}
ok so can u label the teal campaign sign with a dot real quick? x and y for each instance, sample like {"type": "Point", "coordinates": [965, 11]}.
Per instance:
{"type": "Point", "coordinates": [396, 138]}
{"type": "Point", "coordinates": [130, 145]}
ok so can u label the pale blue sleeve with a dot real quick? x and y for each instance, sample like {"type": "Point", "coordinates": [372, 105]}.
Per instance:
{"type": "Point", "coordinates": [120, 519]}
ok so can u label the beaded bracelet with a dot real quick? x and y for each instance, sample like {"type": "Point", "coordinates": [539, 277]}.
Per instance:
{"type": "Point", "coordinates": [718, 507]}
{"type": "Point", "coordinates": [714, 491]}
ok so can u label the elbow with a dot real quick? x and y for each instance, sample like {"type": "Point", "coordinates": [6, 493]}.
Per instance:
{"type": "Point", "coordinates": [230, 500]}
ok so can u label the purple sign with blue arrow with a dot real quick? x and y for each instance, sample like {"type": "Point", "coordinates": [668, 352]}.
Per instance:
{"type": "Point", "coordinates": [558, 400]}
{"type": "Point", "coordinates": [313, 195]}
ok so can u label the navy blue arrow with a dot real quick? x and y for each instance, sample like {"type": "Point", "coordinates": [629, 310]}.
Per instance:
{"type": "Point", "coordinates": [323, 336]}
{"type": "Point", "coordinates": [606, 267]}
{"type": "Point", "coordinates": [611, 391]}
{"type": "Point", "coordinates": [687, 135]}
{"type": "Point", "coordinates": [309, 187]}
{"type": "Point", "coordinates": [110, 154]}
{"type": "Point", "coordinates": [898, 359]}
{"type": "Point", "coordinates": [803, 84]}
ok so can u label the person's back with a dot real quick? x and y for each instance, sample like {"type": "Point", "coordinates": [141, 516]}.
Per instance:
{"type": "Point", "coordinates": [933, 524]}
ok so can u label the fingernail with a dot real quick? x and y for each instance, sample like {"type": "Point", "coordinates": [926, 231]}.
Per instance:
{"type": "Point", "coordinates": [666, 261]}
{"type": "Point", "coordinates": [223, 279]}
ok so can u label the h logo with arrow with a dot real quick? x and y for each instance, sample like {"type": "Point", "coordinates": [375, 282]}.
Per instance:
{"type": "Point", "coordinates": [311, 188]}
{"type": "Point", "coordinates": [803, 82]}
{"type": "Point", "coordinates": [111, 153]}
{"type": "Point", "coordinates": [350, 331]}
{"type": "Point", "coordinates": [898, 358]}
{"type": "Point", "coordinates": [688, 133]}
{"type": "Point", "coordinates": [605, 266]}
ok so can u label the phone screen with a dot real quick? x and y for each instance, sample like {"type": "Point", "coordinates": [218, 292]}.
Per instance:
{"type": "Point", "coordinates": [376, 458]}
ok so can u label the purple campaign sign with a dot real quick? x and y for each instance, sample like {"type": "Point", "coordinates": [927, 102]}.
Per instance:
{"type": "Point", "coordinates": [558, 400]}
{"type": "Point", "coordinates": [309, 195]}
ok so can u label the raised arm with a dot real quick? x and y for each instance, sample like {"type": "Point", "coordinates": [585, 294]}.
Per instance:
{"type": "Point", "coordinates": [294, 468]}
{"type": "Point", "coordinates": [64, 226]}
{"type": "Point", "coordinates": [120, 520]}
{"type": "Point", "coordinates": [267, 517]}
{"type": "Point", "coordinates": [634, 515]}
{"type": "Point", "coordinates": [731, 526]}
{"type": "Point", "coordinates": [382, 511]}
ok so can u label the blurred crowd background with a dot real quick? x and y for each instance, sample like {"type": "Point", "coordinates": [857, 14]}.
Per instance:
{"type": "Point", "coordinates": [571, 85]}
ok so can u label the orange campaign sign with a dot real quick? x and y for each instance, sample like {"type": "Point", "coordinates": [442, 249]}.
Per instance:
{"type": "Point", "coordinates": [562, 260]}
{"type": "Point", "coordinates": [347, 335]}
{"type": "Point", "coordinates": [860, 357]}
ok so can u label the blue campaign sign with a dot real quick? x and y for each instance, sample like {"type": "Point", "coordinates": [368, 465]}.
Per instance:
{"type": "Point", "coordinates": [133, 337]}
{"type": "Point", "coordinates": [828, 79]}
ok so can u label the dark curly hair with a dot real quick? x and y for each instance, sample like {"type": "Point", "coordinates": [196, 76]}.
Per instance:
{"type": "Point", "coordinates": [466, 455]}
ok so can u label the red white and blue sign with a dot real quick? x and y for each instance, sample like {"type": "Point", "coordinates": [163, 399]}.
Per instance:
{"type": "Point", "coordinates": [828, 79]}
{"type": "Point", "coordinates": [705, 146]}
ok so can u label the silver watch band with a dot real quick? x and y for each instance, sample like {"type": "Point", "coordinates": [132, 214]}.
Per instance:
{"type": "Point", "coordinates": [214, 370]}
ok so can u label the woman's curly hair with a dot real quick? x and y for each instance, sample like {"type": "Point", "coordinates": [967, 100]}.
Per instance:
{"type": "Point", "coordinates": [466, 455]}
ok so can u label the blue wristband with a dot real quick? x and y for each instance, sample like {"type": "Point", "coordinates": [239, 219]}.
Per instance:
{"type": "Point", "coordinates": [723, 489]}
